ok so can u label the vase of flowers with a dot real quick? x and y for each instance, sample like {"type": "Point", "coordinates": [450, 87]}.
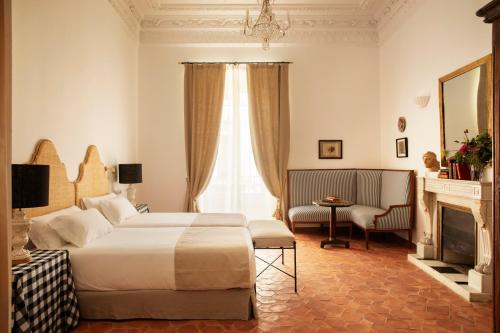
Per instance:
{"type": "Point", "coordinates": [474, 154]}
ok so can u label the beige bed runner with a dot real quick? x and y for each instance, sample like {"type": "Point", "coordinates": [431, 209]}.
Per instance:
{"type": "Point", "coordinates": [208, 258]}
{"type": "Point", "coordinates": [219, 220]}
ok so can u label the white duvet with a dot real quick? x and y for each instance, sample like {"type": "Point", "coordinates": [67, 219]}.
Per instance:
{"type": "Point", "coordinates": [155, 220]}
{"type": "Point", "coordinates": [144, 258]}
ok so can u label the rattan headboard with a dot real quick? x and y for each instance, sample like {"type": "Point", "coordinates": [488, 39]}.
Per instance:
{"type": "Point", "coordinates": [92, 178]}
{"type": "Point", "coordinates": [61, 190]}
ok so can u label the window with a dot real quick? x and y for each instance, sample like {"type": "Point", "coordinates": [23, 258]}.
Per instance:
{"type": "Point", "coordinates": [236, 185]}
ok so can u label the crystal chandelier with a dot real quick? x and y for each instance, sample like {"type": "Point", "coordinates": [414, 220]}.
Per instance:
{"type": "Point", "coordinates": [266, 27]}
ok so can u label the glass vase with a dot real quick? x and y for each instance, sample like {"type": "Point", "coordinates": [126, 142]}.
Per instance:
{"type": "Point", "coordinates": [476, 173]}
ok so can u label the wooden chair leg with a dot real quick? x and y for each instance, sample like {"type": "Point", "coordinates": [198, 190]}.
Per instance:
{"type": "Point", "coordinates": [367, 238]}
{"type": "Point", "coordinates": [410, 243]}
{"type": "Point", "coordinates": [350, 230]}
{"type": "Point", "coordinates": [293, 227]}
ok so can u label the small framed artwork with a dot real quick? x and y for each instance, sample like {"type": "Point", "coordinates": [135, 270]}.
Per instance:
{"type": "Point", "coordinates": [330, 149]}
{"type": "Point", "coordinates": [402, 147]}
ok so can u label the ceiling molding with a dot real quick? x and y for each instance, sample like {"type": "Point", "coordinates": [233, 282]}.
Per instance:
{"type": "Point", "coordinates": [129, 15]}
{"type": "Point", "coordinates": [165, 21]}
{"type": "Point", "coordinates": [389, 11]}
{"type": "Point", "coordinates": [393, 15]}
{"type": "Point", "coordinates": [364, 38]}
{"type": "Point", "coordinates": [237, 21]}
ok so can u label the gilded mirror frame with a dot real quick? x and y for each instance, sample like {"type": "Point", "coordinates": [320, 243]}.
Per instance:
{"type": "Point", "coordinates": [489, 95]}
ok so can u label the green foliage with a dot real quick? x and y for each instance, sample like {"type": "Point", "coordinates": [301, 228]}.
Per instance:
{"type": "Point", "coordinates": [475, 152]}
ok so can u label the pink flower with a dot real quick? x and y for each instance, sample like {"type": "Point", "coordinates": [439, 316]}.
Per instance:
{"type": "Point", "coordinates": [464, 148]}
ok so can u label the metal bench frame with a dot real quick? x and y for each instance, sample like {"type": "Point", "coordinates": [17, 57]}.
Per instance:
{"type": "Point", "coordinates": [282, 256]}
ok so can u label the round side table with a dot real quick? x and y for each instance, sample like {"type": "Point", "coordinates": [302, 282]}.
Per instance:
{"type": "Point", "coordinates": [332, 239]}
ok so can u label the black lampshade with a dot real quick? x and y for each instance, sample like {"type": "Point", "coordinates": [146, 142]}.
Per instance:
{"type": "Point", "coordinates": [30, 185]}
{"type": "Point", "coordinates": [130, 173]}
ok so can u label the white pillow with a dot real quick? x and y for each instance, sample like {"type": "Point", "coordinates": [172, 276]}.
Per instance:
{"type": "Point", "coordinates": [42, 235]}
{"type": "Point", "coordinates": [82, 227]}
{"type": "Point", "coordinates": [118, 209]}
{"type": "Point", "coordinates": [95, 202]}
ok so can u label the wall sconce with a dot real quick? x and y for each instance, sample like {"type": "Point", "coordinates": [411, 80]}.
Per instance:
{"type": "Point", "coordinates": [422, 100]}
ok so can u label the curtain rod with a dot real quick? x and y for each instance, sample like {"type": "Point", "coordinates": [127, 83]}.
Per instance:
{"type": "Point", "coordinates": [236, 62]}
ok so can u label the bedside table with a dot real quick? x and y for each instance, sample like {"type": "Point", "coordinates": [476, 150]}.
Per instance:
{"type": "Point", "coordinates": [43, 294]}
{"type": "Point", "coordinates": [142, 208]}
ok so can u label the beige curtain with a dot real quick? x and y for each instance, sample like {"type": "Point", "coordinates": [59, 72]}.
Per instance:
{"type": "Point", "coordinates": [270, 127]}
{"type": "Point", "coordinates": [203, 99]}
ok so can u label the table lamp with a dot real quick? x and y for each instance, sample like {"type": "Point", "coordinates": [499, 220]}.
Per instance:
{"type": "Point", "coordinates": [130, 174]}
{"type": "Point", "coordinates": [30, 188]}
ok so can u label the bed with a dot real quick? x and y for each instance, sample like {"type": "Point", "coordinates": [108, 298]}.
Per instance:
{"type": "Point", "coordinates": [163, 266]}
{"type": "Point", "coordinates": [155, 220]}
{"type": "Point", "coordinates": [93, 181]}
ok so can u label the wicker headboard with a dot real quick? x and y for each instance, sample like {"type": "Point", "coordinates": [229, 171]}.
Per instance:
{"type": "Point", "coordinates": [61, 190]}
{"type": "Point", "coordinates": [92, 178]}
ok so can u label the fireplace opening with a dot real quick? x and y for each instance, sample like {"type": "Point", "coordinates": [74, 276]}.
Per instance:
{"type": "Point", "coordinates": [458, 236]}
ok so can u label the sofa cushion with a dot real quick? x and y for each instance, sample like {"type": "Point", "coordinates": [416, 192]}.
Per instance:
{"type": "Point", "coordinates": [308, 185]}
{"type": "Point", "coordinates": [313, 213]}
{"type": "Point", "coordinates": [395, 188]}
{"type": "Point", "coordinates": [368, 185]}
{"type": "Point", "coordinates": [363, 216]}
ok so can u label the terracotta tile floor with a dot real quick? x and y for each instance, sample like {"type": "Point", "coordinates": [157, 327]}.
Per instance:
{"type": "Point", "coordinates": [340, 290]}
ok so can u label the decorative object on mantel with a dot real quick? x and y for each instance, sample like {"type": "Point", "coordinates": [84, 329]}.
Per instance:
{"type": "Point", "coordinates": [430, 161]}
{"type": "Point", "coordinates": [330, 149]}
{"type": "Point", "coordinates": [30, 188]}
{"type": "Point", "coordinates": [402, 147]}
{"type": "Point", "coordinates": [474, 154]}
{"type": "Point", "coordinates": [402, 124]}
{"type": "Point", "coordinates": [422, 100]}
{"type": "Point", "coordinates": [444, 173]}
{"type": "Point", "coordinates": [266, 26]}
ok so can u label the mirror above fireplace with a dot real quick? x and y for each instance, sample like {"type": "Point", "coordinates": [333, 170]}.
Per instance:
{"type": "Point", "coordinates": [465, 102]}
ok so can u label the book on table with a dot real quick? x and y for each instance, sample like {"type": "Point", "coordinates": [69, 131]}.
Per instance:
{"type": "Point", "coordinates": [331, 199]}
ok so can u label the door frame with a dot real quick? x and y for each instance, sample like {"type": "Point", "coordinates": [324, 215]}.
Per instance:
{"type": "Point", "coordinates": [491, 14]}
{"type": "Point", "coordinates": [5, 162]}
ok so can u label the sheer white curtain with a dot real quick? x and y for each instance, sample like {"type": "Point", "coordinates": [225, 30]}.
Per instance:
{"type": "Point", "coordinates": [236, 185]}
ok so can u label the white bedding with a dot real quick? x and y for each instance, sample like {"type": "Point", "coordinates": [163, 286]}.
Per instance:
{"type": "Point", "coordinates": [127, 259]}
{"type": "Point", "coordinates": [184, 220]}
{"type": "Point", "coordinates": [144, 259]}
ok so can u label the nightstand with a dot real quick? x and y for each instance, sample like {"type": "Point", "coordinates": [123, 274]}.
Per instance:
{"type": "Point", "coordinates": [43, 294]}
{"type": "Point", "coordinates": [142, 208]}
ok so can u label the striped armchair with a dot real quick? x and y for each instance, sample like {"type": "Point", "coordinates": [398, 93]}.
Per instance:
{"type": "Point", "coordinates": [384, 199]}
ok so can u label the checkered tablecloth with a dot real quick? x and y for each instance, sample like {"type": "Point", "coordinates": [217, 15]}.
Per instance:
{"type": "Point", "coordinates": [43, 294]}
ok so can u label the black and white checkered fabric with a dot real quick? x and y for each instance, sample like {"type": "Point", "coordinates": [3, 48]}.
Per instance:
{"type": "Point", "coordinates": [142, 208]}
{"type": "Point", "coordinates": [43, 294]}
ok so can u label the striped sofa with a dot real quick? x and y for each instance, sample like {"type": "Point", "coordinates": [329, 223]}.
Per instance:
{"type": "Point", "coordinates": [384, 199]}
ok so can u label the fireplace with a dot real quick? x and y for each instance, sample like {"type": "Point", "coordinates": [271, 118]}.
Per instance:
{"type": "Point", "coordinates": [456, 236]}
{"type": "Point", "coordinates": [457, 246]}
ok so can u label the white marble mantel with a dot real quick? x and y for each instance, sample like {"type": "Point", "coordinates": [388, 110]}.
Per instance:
{"type": "Point", "coordinates": [477, 196]}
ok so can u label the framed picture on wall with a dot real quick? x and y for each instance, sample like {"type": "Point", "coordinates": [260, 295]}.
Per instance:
{"type": "Point", "coordinates": [328, 149]}
{"type": "Point", "coordinates": [402, 147]}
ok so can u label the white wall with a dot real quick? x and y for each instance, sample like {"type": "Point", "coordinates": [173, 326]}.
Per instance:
{"type": "Point", "coordinates": [333, 95]}
{"type": "Point", "coordinates": [437, 38]}
{"type": "Point", "coordinates": [74, 80]}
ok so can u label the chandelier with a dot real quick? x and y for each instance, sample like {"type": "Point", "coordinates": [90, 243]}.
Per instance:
{"type": "Point", "coordinates": [266, 27]}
